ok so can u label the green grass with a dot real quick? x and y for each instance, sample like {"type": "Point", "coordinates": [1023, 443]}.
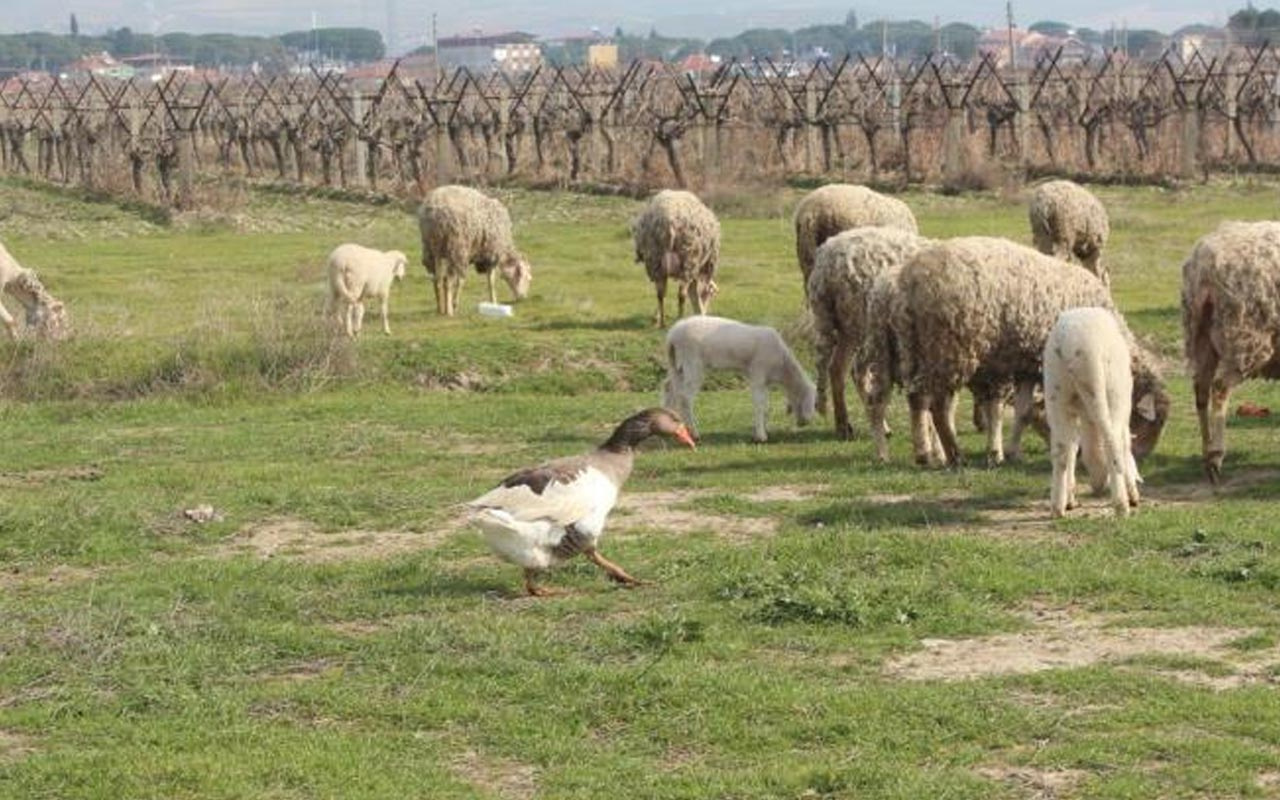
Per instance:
{"type": "Point", "coordinates": [146, 656]}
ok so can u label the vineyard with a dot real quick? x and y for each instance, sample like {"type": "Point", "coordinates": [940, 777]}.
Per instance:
{"type": "Point", "coordinates": [862, 119]}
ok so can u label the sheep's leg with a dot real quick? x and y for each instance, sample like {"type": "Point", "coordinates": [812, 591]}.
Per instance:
{"type": "Point", "coordinates": [760, 402]}
{"type": "Point", "coordinates": [660, 287]}
{"type": "Point", "coordinates": [943, 409]}
{"type": "Point", "coordinates": [1118, 467]}
{"type": "Point", "coordinates": [1212, 446]}
{"type": "Point", "coordinates": [1219, 396]}
{"type": "Point", "coordinates": [1128, 468]}
{"type": "Point", "coordinates": [699, 302]}
{"type": "Point", "coordinates": [615, 572]}
{"type": "Point", "coordinates": [837, 369]}
{"type": "Point", "coordinates": [386, 325]}
{"type": "Point", "coordinates": [493, 290]}
{"type": "Point", "coordinates": [993, 408]}
{"type": "Point", "coordinates": [1024, 408]}
{"type": "Point", "coordinates": [684, 291]}
{"type": "Point", "coordinates": [1064, 440]}
{"type": "Point", "coordinates": [440, 293]}
{"type": "Point", "coordinates": [921, 433]}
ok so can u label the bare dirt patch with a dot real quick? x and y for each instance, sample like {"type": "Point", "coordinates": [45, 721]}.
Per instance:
{"type": "Point", "coordinates": [1058, 640]}
{"type": "Point", "coordinates": [16, 577]}
{"type": "Point", "coordinates": [662, 510]}
{"type": "Point", "coordinates": [1036, 784]}
{"type": "Point", "coordinates": [36, 477]}
{"type": "Point", "coordinates": [300, 672]}
{"type": "Point", "coordinates": [786, 494]}
{"type": "Point", "coordinates": [500, 777]}
{"type": "Point", "coordinates": [14, 746]}
{"type": "Point", "coordinates": [301, 540]}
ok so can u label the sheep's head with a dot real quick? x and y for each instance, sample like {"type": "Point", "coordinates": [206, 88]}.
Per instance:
{"type": "Point", "coordinates": [805, 407]}
{"type": "Point", "coordinates": [1146, 421]}
{"type": "Point", "coordinates": [518, 274]}
{"type": "Point", "coordinates": [48, 319]}
{"type": "Point", "coordinates": [398, 263]}
{"type": "Point", "coordinates": [45, 314]}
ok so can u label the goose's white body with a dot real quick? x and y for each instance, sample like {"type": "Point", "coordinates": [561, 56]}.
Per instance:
{"type": "Point", "coordinates": [525, 527]}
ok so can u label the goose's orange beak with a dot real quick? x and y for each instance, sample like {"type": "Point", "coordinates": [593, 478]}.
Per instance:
{"type": "Point", "coordinates": [682, 435]}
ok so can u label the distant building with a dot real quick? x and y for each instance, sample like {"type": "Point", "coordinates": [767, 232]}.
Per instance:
{"type": "Point", "coordinates": [1028, 46]}
{"type": "Point", "coordinates": [509, 52]}
{"type": "Point", "coordinates": [602, 56]}
{"type": "Point", "coordinates": [695, 63]}
{"type": "Point", "coordinates": [155, 66]}
{"type": "Point", "coordinates": [100, 64]}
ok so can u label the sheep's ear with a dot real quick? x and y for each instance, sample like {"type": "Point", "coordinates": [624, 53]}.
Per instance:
{"type": "Point", "coordinates": [1146, 407]}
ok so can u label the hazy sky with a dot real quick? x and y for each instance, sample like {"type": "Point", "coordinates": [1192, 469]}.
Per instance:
{"type": "Point", "coordinates": [412, 18]}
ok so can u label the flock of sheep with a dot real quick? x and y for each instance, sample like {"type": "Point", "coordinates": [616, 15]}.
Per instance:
{"type": "Point", "coordinates": [893, 309]}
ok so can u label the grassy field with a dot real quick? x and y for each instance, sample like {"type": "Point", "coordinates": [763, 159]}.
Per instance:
{"type": "Point", "coordinates": [813, 625]}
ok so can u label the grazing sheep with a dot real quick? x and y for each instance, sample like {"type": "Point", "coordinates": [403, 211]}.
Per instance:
{"type": "Point", "coordinates": [678, 237]}
{"type": "Point", "coordinates": [357, 274]}
{"type": "Point", "coordinates": [837, 207]}
{"type": "Point", "coordinates": [45, 314]}
{"type": "Point", "coordinates": [844, 270]}
{"type": "Point", "coordinates": [976, 311]}
{"type": "Point", "coordinates": [702, 342]}
{"type": "Point", "coordinates": [1066, 221]}
{"type": "Point", "coordinates": [1230, 322]}
{"type": "Point", "coordinates": [1088, 390]}
{"type": "Point", "coordinates": [461, 226]}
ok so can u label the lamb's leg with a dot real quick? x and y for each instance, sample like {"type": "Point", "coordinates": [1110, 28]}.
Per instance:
{"type": "Point", "coordinates": [359, 312]}
{"type": "Point", "coordinates": [760, 403]}
{"type": "Point", "coordinates": [386, 325]}
{"type": "Point", "coordinates": [348, 319]}
{"type": "Point", "coordinates": [1064, 439]}
{"type": "Point", "coordinates": [837, 369]}
{"type": "Point", "coordinates": [9, 322]}
{"type": "Point", "coordinates": [615, 572]}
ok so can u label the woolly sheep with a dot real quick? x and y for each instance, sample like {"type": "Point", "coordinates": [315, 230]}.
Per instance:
{"type": "Point", "coordinates": [837, 207]}
{"type": "Point", "coordinates": [976, 311]}
{"type": "Point", "coordinates": [1230, 322]}
{"type": "Point", "coordinates": [461, 226]}
{"type": "Point", "coordinates": [677, 237]}
{"type": "Point", "coordinates": [357, 274]}
{"type": "Point", "coordinates": [1066, 221]}
{"type": "Point", "coordinates": [45, 314]}
{"type": "Point", "coordinates": [844, 269]}
{"type": "Point", "coordinates": [1088, 391]}
{"type": "Point", "coordinates": [758, 352]}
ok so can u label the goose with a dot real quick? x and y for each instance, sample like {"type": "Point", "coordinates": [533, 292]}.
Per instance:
{"type": "Point", "coordinates": [544, 515]}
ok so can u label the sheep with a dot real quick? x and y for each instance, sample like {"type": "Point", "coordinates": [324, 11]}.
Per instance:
{"type": "Point", "coordinates": [676, 236]}
{"type": "Point", "coordinates": [45, 314]}
{"type": "Point", "coordinates": [1088, 390]}
{"type": "Point", "coordinates": [1066, 221]}
{"type": "Point", "coordinates": [461, 226]}
{"type": "Point", "coordinates": [844, 269]}
{"type": "Point", "coordinates": [1230, 322]}
{"type": "Point", "coordinates": [837, 207]}
{"type": "Point", "coordinates": [976, 311]}
{"type": "Point", "coordinates": [357, 274]}
{"type": "Point", "coordinates": [696, 343]}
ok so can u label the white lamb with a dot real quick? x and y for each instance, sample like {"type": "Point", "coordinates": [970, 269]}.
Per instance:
{"type": "Point", "coordinates": [45, 314]}
{"type": "Point", "coordinates": [697, 343]}
{"type": "Point", "coordinates": [1088, 389]}
{"type": "Point", "coordinates": [357, 274]}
